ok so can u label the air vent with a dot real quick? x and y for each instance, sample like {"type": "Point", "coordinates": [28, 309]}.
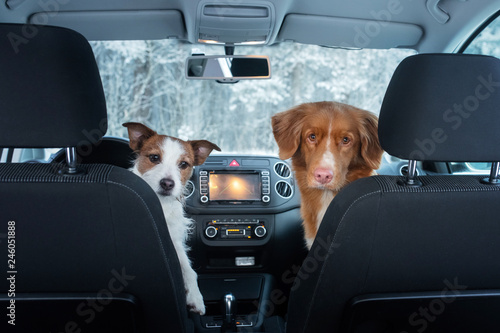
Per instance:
{"type": "Point", "coordinates": [189, 189]}
{"type": "Point", "coordinates": [282, 170]}
{"type": "Point", "coordinates": [283, 189]}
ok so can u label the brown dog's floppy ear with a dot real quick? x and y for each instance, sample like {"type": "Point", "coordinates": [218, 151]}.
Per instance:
{"type": "Point", "coordinates": [287, 130]}
{"type": "Point", "coordinates": [202, 148]}
{"type": "Point", "coordinates": [371, 151]}
{"type": "Point", "coordinates": [137, 133]}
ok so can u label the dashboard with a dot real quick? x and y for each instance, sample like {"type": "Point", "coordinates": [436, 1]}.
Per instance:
{"type": "Point", "coordinates": [248, 236]}
{"type": "Point", "coordinates": [240, 204]}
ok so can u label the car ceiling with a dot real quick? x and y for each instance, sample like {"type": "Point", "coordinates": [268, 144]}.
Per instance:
{"type": "Point", "coordinates": [423, 25]}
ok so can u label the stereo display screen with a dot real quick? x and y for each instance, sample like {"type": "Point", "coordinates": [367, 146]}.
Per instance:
{"type": "Point", "coordinates": [234, 187]}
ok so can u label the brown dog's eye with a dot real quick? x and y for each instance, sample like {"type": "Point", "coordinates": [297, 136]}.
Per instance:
{"type": "Point", "coordinates": [154, 158]}
{"type": "Point", "coordinates": [312, 137]}
{"type": "Point", "coordinates": [183, 165]}
{"type": "Point", "coordinates": [346, 140]}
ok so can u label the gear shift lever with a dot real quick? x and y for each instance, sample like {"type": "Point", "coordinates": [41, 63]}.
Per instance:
{"type": "Point", "coordinates": [229, 323]}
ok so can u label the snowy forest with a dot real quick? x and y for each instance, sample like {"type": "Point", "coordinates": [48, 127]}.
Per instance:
{"type": "Point", "coordinates": [144, 82]}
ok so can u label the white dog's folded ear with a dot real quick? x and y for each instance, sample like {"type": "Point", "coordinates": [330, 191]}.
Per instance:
{"type": "Point", "coordinates": [287, 130]}
{"type": "Point", "coordinates": [137, 133]}
{"type": "Point", "coordinates": [202, 148]}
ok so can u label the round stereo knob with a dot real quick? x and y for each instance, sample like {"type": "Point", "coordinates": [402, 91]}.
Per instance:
{"type": "Point", "coordinates": [211, 231]}
{"type": "Point", "coordinates": [260, 231]}
{"type": "Point", "coordinates": [204, 199]}
{"type": "Point", "coordinates": [266, 199]}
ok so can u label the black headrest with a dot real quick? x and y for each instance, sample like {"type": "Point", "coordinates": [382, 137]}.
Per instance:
{"type": "Point", "coordinates": [443, 107]}
{"type": "Point", "coordinates": [50, 90]}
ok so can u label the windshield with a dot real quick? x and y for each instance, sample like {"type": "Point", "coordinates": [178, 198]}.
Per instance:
{"type": "Point", "coordinates": [144, 82]}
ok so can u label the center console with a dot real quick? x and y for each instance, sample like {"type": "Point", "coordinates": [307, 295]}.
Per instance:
{"type": "Point", "coordinates": [243, 183]}
{"type": "Point", "coordinates": [246, 210]}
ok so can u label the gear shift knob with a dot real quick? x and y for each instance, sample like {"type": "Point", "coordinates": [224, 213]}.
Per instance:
{"type": "Point", "coordinates": [229, 302]}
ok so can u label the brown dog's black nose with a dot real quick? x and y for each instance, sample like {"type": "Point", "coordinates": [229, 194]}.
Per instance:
{"type": "Point", "coordinates": [167, 184]}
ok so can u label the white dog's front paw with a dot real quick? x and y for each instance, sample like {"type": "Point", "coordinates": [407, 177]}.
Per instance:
{"type": "Point", "coordinates": [194, 301]}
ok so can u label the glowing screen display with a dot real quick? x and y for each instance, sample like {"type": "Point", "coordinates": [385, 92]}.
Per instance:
{"type": "Point", "coordinates": [234, 187]}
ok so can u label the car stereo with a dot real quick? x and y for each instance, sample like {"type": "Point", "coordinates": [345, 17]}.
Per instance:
{"type": "Point", "coordinates": [230, 184]}
{"type": "Point", "coordinates": [233, 199]}
{"type": "Point", "coordinates": [234, 186]}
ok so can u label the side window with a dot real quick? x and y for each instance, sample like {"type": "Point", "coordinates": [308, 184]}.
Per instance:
{"type": "Point", "coordinates": [487, 42]}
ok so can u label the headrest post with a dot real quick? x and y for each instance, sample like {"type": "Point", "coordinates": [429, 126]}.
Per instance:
{"type": "Point", "coordinates": [411, 177]}
{"type": "Point", "coordinates": [494, 175]}
{"type": "Point", "coordinates": [71, 160]}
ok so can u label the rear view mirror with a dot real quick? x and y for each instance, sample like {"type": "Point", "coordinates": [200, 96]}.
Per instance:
{"type": "Point", "coordinates": [228, 68]}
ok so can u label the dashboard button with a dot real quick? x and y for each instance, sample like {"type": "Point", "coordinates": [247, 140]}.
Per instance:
{"type": "Point", "coordinates": [260, 231]}
{"type": "Point", "coordinates": [211, 231]}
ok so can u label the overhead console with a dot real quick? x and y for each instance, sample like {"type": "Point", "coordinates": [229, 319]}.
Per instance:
{"type": "Point", "coordinates": [240, 23]}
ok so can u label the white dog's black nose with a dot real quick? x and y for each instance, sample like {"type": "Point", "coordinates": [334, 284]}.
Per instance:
{"type": "Point", "coordinates": [167, 184]}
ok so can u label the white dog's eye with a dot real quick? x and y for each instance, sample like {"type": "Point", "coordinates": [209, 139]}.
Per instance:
{"type": "Point", "coordinates": [183, 165]}
{"type": "Point", "coordinates": [154, 158]}
{"type": "Point", "coordinates": [346, 140]}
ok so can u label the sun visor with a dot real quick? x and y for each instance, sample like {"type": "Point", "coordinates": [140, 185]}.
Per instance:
{"type": "Point", "coordinates": [118, 25]}
{"type": "Point", "coordinates": [348, 32]}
